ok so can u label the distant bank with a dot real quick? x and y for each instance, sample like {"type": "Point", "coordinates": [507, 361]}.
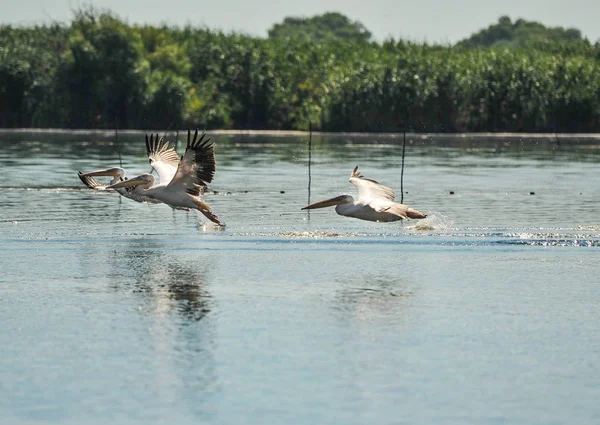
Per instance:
{"type": "Point", "coordinates": [108, 135]}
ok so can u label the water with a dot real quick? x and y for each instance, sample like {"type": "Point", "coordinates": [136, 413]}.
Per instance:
{"type": "Point", "coordinates": [487, 312]}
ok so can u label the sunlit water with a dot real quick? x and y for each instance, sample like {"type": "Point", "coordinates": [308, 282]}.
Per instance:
{"type": "Point", "coordinates": [487, 312]}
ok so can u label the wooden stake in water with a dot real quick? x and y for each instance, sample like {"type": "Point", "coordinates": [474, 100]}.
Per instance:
{"type": "Point", "coordinates": [402, 171]}
{"type": "Point", "coordinates": [169, 127]}
{"type": "Point", "coordinates": [117, 148]}
{"type": "Point", "coordinates": [309, 160]}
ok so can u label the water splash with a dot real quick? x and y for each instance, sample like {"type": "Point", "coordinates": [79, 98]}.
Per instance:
{"type": "Point", "coordinates": [435, 221]}
{"type": "Point", "coordinates": [588, 228]}
{"type": "Point", "coordinates": [314, 234]}
{"type": "Point", "coordinates": [210, 227]}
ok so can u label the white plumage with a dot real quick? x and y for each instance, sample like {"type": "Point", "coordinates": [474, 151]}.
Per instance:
{"type": "Point", "coordinates": [375, 202]}
{"type": "Point", "coordinates": [182, 180]}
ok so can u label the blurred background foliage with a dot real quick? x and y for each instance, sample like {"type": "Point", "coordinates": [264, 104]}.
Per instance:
{"type": "Point", "coordinates": [100, 72]}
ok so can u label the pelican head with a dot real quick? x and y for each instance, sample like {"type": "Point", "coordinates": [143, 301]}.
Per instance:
{"type": "Point", "coordinates": [113, 172]}
{"type": "Point", "coordinates": [142, 179]}
{"type": "Point", "coordinates": [338, 200]}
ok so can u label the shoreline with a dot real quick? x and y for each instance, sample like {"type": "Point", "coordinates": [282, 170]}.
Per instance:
{"type": "Point", "coordinates": [110, 134]}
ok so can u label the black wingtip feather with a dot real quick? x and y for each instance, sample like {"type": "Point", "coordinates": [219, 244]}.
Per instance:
{"type": "Point", "coordinates": [204, 155]}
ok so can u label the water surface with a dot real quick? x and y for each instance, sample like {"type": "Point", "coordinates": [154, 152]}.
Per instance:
{"type": "Point", "coordinates": [486, 312]}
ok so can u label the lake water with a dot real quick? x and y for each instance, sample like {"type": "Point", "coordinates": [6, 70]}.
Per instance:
{"type": "Point", "coordinates": [487, 312]}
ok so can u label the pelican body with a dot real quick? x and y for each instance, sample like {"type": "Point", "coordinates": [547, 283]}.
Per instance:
{"type": "Point", "coordinates": [159, 155]}
{"type": "Point", "coordinates": [182, 188]}
{"type": "Point", "coordinates": [375, 202]}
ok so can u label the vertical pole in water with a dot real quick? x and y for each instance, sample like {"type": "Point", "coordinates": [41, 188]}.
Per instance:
{"type": "Point", "coordinates": [169, 127]}
{"type": "Point", "coordinates": [402, 172]}
{"type": "Point", "coordinates": [117, 144]}
{"type": "Point", "coordinates": [309, 160]}
{"type": "Point", "coordinates": [178, 124]}
{"type": "Point", "coordinates": [118, 150]}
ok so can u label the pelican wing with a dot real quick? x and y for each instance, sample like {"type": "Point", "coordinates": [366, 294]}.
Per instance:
{"type": "Point", "coordinates": [196, 167]}
{"type": "Point", "coordinates": [92, 183]}
{"type": "Point", "coordinates": [162, 158]}
{"type": "Point", "coordinates": [368, 189]}
{"type": "Point", "coordinates": [379, 211]}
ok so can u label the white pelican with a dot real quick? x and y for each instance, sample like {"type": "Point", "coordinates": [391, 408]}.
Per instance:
{"type": "Point", "coordinates": [118, 176]}
{"type": "Point", "coordinates": [158, 151]}
{"type": "Point", "coordinates": [375, 202]}
{"type": "Point", "coordinates": [182, 188]}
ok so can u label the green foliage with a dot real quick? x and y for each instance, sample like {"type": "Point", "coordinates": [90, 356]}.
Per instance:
{"type": "Point", "coordinates": [522, 33]}
{"type": "Point", "coordinates": [324, 27]}
{"type": "Point", "coordinates": [104, 72]}
{"type": "Point", "coordinates": [29, 59]}
{"type": "Point", "coordinates": [100, 72]}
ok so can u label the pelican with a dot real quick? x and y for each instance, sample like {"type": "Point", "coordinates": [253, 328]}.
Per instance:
{"type": "Point", "coordinates": [375, 202]}
{"type": "Point", "coordinates": [158, 153]}
{"type": "Point", "coordinates": [180, 189]}
{"type": "Point", "coordinates": [117, 173]}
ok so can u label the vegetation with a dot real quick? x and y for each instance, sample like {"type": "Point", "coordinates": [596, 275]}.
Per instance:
{"type": "Point", "coordinates": [100, 72]}
{"type": "Point", "coordinates": [324, 27]}
{"type": "Point", "coordinates": [523, 33]}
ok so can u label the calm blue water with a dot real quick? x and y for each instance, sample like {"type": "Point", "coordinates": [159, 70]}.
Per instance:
{"type": "Point", "coordinates": [487, 312]}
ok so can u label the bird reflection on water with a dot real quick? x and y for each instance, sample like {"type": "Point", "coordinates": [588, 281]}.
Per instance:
{"type": "Point", "coordinates": [177, 305]}
{"type": "Point", "coordinates": [172, 285]}
{"type": "Point", "coordinates": [370, 297]}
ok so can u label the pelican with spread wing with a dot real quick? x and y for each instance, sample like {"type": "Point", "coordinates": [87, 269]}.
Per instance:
{"type": "Point", "coordinates": [182, 188]}
{"type": "Point", "coordinates": [375, 202]}
{"type": "Point", "coordinates": [159, 155]}
{"type": "Point", "coordinates": [117, 174]}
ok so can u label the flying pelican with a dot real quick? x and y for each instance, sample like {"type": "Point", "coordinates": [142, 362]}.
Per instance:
{"type": "Point", "coordinates": [375, 202]}
{"type": "Point", "coordinates": [158, 153]}
{"type": "Point", "coordinates": [117, 173]}
{"type": "Point", "coordinates": [180, 189]}
{"type": "Point", "coordinates": [118, 176]}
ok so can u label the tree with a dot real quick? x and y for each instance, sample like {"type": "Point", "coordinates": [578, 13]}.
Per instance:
{"type": "Point", "coordinates": [522, 33]}
{"type": "Point", "coordinates": [104, 71]}
{"type": "Point", "coordinates": [29, 59]}
{"type": "Point", "coordinates": [331, 25]}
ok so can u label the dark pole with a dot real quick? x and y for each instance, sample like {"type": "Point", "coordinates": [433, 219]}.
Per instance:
{"type": "Point", "coordinates": [402, 172]}
{"type": "Point", "coordinates": [309, 158]}
{"type": "Point", "coordinates": [178, 124]}
{"type": "Point", "coordinates": [118, 149]}
{"type": "Point", "coordinates": [117, 143]}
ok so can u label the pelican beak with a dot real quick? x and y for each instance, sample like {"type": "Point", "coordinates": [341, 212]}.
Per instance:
{"type": "Point", "coordinates": [113, 172]}
{"type": "Point", "coordinates": [129, 183]}
{"type": "Point", "coordinates": [328, 203]}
